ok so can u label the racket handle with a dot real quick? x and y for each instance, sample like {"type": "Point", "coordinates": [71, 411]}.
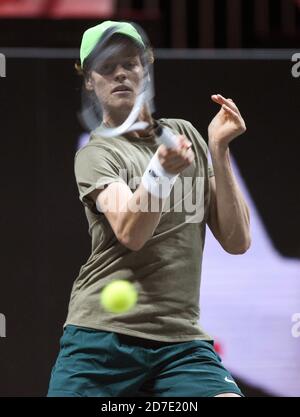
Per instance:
{"type": "Point", "coordinates": [166, 137]}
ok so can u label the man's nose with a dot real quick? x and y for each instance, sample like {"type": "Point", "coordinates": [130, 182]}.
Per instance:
{"type": "Point", "coordinates": [120, 73]}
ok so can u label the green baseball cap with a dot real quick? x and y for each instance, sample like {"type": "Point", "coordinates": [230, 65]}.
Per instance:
{"type": "Point", "coordinates": [93, 35]}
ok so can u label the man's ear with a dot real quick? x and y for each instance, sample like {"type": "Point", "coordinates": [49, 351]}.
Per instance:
{"type": "Point", "coordinates": [89, 85]}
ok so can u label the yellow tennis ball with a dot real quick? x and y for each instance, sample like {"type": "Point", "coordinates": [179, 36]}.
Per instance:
{"type": "Point", "coordinates": [118, 297]}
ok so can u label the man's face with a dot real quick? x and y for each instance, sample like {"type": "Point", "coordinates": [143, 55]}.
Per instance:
{"type": "Point", "coordinates": [116, 78]}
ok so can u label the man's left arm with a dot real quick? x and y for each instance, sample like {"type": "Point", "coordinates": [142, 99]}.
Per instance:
{"type": "Point", "coordinates": [229, 218]}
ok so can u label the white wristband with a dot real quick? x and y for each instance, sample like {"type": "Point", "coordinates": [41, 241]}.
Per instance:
{"type": "Point", "coordinates": [156, 180]}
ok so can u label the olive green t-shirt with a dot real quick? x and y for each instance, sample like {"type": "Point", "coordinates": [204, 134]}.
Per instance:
{"type": "Point", "coordinates": [167, 270]}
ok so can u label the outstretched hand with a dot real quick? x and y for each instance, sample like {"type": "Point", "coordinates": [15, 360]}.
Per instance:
{"type": "Point", "coordinates": [227, 124]}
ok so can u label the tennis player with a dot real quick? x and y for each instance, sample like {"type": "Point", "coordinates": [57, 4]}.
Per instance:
{"type": "Point", "coordinates": [157, 348]}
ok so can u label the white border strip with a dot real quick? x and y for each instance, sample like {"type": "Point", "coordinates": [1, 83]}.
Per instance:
{"type": "Point", "coordinates": [163, 54]}
{"type": "Point", "coordinates": [44, 53]}
{"type": "Point", "coordinates": [225, 54]}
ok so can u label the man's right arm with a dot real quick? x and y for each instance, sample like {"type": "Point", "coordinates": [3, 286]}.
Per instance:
{"type": "Point", "coordinates": [122, 208]}
{"type": "Point", "coordinates": [131, 215]}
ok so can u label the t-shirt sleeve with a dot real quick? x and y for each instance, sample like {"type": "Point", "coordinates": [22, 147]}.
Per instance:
{"type": "Point", "coordinates": [95, 168]}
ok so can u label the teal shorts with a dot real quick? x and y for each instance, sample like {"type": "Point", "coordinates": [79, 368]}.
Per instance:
{"type": "Point", "coordinates": [93, 363]}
